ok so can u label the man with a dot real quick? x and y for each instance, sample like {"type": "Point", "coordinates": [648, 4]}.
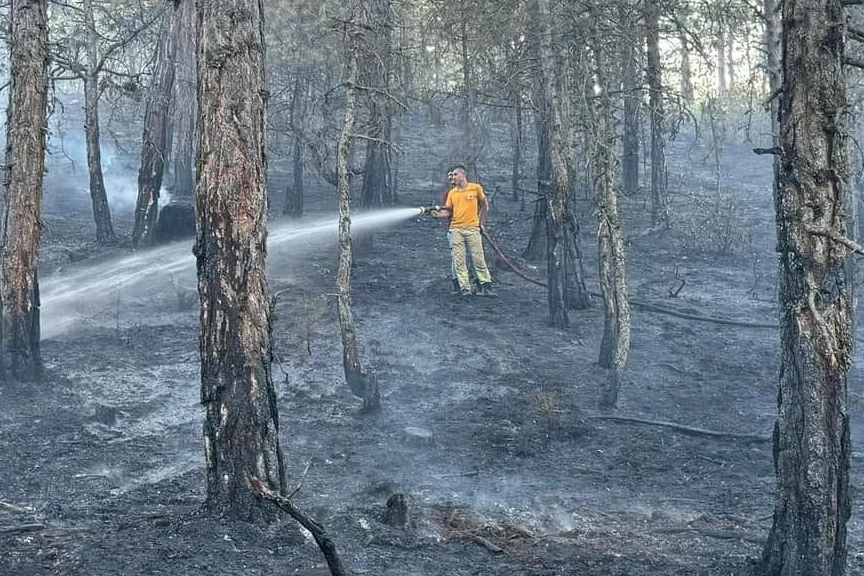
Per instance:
{"type": "Point", "coordinates": [453, 277]}
{"type": "Point", "coordinates": [467, 207]}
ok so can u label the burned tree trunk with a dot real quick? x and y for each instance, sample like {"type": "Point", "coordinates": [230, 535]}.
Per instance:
{"type": "Point", "coordinates": [632, 103]}
{"type": "Point", "coordinates": [556, 248]}
{"type": "Point", "coordinates": [536, 248]}
{"type": "Point", "coordinates": [155, 129]}
{"type": "Point", "coordinates": [98, 196]}
{"type": "Point", "coordinates": [362, 385]}
{"type": "Point", "coordinates": [377, 190]}
{"type": "Point", "coordinates": [241, 429]}
{"type": "Point", "coordinates": [183, 187]}
{"type": "Point", "coordinates": [811, 437]}
{"type": "Point", "coordinates": [295, 195]}
{"type": "Point", "coordinates": [610, 240]}
{"type": "Point", "coordinates": [687, 91]}
{"type": "Point", "coordinates": [516, 174]}
{"type": "Point", "coordinates": [659, 208]}
{"type": "Point", "coordinates": [26, 127]}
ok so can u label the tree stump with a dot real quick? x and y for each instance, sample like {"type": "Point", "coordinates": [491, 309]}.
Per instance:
{"type": "Point", "coordinates": [176, 222]}
{"type": "Point", "coordinates": [397, 513]}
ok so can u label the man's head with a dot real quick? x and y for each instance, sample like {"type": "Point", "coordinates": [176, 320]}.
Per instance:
{"type": "Point", "coordinates": [457, 175]}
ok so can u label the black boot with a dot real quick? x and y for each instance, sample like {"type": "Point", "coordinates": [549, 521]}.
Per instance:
{"type": "Point", "coordinates": [486, 290]}
{"type": "Point", "coordinates": [456, 286]}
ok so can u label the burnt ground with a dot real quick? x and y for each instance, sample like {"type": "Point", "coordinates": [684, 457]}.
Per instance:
{"type": "Point", "coordinates": [102, 466]}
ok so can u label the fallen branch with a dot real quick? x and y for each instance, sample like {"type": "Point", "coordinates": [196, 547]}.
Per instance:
{"type": "Point", "coordinates": [460, 474]}
{"type": "Point", "coordinates": [719, 534]}
{"type": "Point", "coordinates": [495, 549]}
{"type": "Point", "coordinates": [327, 546]}
{"type": "Point", "coordinates": [637, 303]}
{"type": "Point", "coordinates": [712, 319]}
{"type": "Point", "coordinates": [21, 528]}
{"type": "Point", "coordinates": [682, 428]}
{"type": "Point", "coordinates": [14, 507]}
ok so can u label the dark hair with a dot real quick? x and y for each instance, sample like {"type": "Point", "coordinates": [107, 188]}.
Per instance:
{"type": "Point", "coordinates": [458, 167]}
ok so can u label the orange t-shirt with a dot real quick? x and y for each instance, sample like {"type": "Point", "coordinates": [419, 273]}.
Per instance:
{"type": "Point", "coordinates": [464, 204]}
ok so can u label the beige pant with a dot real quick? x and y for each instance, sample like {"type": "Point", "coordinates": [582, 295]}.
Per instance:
{"type": "Point", "coordinates": [469, 240]}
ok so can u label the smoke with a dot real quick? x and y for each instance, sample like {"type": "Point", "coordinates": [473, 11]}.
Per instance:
{"type": "Point", "coordinates": [68, 175]}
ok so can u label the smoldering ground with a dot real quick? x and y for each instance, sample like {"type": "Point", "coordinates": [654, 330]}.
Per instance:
{"type": "Point", "coordinates": [516, 472]}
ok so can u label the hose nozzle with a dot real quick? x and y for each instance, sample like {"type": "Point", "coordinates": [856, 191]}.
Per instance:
{"type": "Point", "coordinates": [428, 210]}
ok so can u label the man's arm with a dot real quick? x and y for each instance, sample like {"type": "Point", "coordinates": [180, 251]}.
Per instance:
{"type": "Point", "coordinates": [484, 209]}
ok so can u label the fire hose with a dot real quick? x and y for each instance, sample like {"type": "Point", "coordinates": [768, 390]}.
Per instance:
{"type": "Point", "coordinates": [429, 210]}
{"type": "Point", "coordinates": [507, 261]}
{"type": "Point", "coordinates": [651, 307]}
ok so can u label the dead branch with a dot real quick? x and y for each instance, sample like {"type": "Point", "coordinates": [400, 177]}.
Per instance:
{"type": "Point", "coordinates": [14, 507]}
{"type": "Point", "coordinates": [684, 429]}
{"type": "Point", "coordinates": [460, 474]}
{"type": "Point", "coordinates": [720, 534]}
{"type": "Point", "coordinates": [495, 549]}
{"type": "Point", "coordinates": [854, 62]}
{"type": "Point", "coordinates": [673, 292]}
{"type": "Point", "coordinates": [327, 546]}
{"type": "Point", "coordinates": [760, 151]}
{"type": "Point", "coordinates": [302, 480]}
{"type": "Point", "coordinates": [21, 528]}
{"type": "Point", "coordinates": [712, 319]}
{"type": "Point", "coordinates": [840, 239]}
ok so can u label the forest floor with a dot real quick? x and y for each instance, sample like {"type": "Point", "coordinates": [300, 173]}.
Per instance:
{"type": "Point", "coordinates": [519, 474]}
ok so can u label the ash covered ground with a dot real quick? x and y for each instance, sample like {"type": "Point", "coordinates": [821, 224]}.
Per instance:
{"type": "Point", "coordinates": [520, 474]}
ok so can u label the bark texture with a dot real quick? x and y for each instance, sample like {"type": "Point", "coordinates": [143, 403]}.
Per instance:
{"type": "Point", "coordinates": [560, 192]}
{"type": "Point", "coordinates": [362, 385]}
{"type": "Point", "coordinates": [811, 436]}
{"type": "Point", "coordinates": [24, 164]}
{"type": "Point", "coordinates": [154, 140]}
{"type": "Point", "coordinates": [659, 209]}
{"type": "Point", "coordinates": [98, 196]}
{"type": "Point", "coordinates": [377, 188]}
{"type": "Point", "coordinates": [295, 194]}
{"type": "Point", "coordinates": [241, 428]}
{"type": "Point", "coordinates": [632, 102]}
{"type": "Point", "coordinates": [185, 82]}
{"type": "Point", "coordinates": [610, 239]}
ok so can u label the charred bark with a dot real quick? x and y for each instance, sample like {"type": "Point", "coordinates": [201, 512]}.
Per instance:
{"type": "Point", "coordinates": [610, 240]}
{"type": "Point", "coordinates": [154, 140]}
{"type": "Point", "coordinates": [377, 189]}
{"type": "Point", "coordinates": [632, 104]}
{"type": "Point", "coordinates": [659, 208]}
{"type": "Point", "coordinates": [98, 196]}
{"type": "Point", "coordinates": [686, 70]}
{"type": "Point", "coordinates": [183, 186]}
{"type": "Point", "coordinates": [241, 428]}
{"type": "Point", "coordinates": [811, 437]}
{"type": "Point", "coordinates": [516, 175]}
{"type": "Point", "coordinates": [536, 248]}
{"type": "Point", "coordinates": [556, 248]}
{"type": "Point", "coordinates": [362, 385]}
{"type": "Point", "coordinates": [295, 194]}
{"type": "Point", "coordinates": [26, 127]}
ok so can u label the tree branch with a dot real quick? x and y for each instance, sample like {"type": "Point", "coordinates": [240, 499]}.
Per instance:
{"type": "Point", "coordinates": [123, 42]}
{"type": "Point", "coordinates": [328, 548]}
{"type": "Point", "coordinates": [855, 33]}
{"type": "Point", "coordinates": [828, 233]}
{"type": "Point", "coordinates": [682, 428]}
{"type": "Point", "coordinates": [854, 62]}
